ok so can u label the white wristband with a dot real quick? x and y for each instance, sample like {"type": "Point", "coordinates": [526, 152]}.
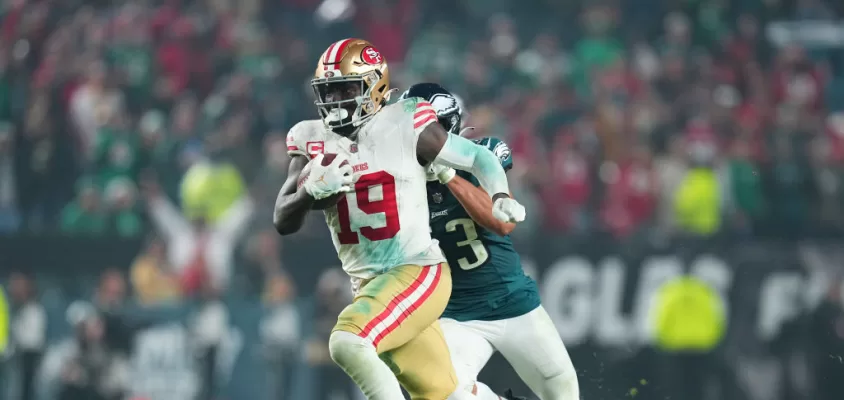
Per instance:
{"type": "Point", "coordinates": [446, 175]}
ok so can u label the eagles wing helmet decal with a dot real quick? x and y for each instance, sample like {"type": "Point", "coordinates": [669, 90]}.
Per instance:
{"type": "Point", "coordinates": [444, 104]}
{"type": "Point", "coordinates": [501, 151]}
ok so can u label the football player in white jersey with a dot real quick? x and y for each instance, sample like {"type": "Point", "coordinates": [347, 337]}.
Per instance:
{"type": "Point", "coordinates": [374, 198]}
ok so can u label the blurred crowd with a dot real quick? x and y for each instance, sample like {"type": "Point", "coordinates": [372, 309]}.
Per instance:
{"type": "Point", "coordinates": [165, 120]}
{"type": "Point", "coordinates": [699, 116]}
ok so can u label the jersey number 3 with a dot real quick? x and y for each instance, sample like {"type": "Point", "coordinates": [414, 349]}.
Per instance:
{"type": "Point", "coordinates": [387, 205]}
{"type": "Point", "coordinates": [481, 255]}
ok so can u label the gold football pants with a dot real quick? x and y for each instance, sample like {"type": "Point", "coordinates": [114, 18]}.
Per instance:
{"type": "Point", "coordinates": [397, 312]}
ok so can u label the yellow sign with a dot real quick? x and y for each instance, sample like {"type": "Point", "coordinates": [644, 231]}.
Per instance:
{"type": "Point", "coordinates": [689, 315]}
{"type": "Point", "coordinates": [4, 321]}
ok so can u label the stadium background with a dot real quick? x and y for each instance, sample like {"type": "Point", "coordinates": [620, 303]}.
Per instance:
{"type": "Point", "coordinates": [142, 146]}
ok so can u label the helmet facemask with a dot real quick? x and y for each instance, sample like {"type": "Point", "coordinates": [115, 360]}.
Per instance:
{"type": "Point", "coordinates": [345, 103]}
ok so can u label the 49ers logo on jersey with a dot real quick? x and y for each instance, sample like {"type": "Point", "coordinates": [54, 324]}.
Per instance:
{"type": "Point", "coordinates": [371, 56]}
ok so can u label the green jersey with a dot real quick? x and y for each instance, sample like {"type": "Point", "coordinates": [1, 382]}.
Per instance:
{"type": "Point", "coordinates": [488, 282]}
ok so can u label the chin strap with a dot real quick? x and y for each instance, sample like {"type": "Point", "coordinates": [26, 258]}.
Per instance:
{"type": "Point", "coordinates": [466, 129]}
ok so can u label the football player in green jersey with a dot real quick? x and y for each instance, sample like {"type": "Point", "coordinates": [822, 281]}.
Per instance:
{"type": "Point", "coordinates": [494, 306]}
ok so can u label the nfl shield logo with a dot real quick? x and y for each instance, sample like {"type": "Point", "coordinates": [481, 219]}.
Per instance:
{"type": "Point", "coordinates": [437, 197]}
{"type": "Point", "coordinates": [353, 148]}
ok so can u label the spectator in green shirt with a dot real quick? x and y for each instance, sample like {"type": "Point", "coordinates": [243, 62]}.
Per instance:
{"type": "Point", "coordinates": [257, 61]}
{"type": "Point", "coordinates": [745, 186]}
{"type": "Point", "coordinates": [118, 152]}
{"type": "Point", "coordinates": [431, 55]}
{"type": "Point", "coordinates": [120, 197]}
{"type": "Point", "coordinates": [598, 49]}
{"type": "Point", "coordinates": [5, 91]}
{"type": "Point", "coordinates": [789, 184]}
{"type": "Point", "coordinates": [131, 55]}
{"type": "Point", "coordinates": [84, 215]}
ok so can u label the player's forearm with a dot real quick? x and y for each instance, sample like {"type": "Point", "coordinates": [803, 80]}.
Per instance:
{"type": "Point", "coordinates": [292, 203]}
{"type": "Point", "coordinates": [478, 205]}
{"type": "Point", "coordinates": [290, 211]}
{"type": "Point", "coordinates": [460, 153]}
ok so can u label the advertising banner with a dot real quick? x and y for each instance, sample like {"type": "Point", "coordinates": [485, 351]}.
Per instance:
{"type": "Point", "coordinates": [598, 293]}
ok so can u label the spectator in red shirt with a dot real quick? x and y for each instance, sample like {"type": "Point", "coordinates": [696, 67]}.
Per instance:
{"type": "Point", "coordinates": [631, 192]}
{"type": "Point", "coordinates": [388, 24]}
{"type": "Point", "coordinates": [746, 45]}
{"type": "Point", "coordinates": [180, 64]}
{"type": "Point", "coordinates": [797, 81]}
{"type": "Point", "coordinates": [619, 83]}
{"type": "Point", "coordinates": [13, 14]}
{"type": "Point", "coordinates": [173, 62]}
{"type": "Point", "coordinates": [569, 188]}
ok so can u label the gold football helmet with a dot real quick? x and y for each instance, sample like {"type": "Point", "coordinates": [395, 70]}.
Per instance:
{"type": "Point", "coordinates": [351, 84]}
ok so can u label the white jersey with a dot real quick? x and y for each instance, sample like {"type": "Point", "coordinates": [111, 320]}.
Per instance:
{"type": "Point", "coordinates": [383, 223]}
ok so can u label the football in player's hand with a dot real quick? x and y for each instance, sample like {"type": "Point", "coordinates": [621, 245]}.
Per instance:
{"type": "Point", "coordinates": [327, 202]}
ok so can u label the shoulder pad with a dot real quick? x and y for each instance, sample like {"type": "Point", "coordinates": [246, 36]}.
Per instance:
{"type": "Point", "coordinates": [417, 109]}
{"type": "Point", "coordinates": [301, 134]}
{"type": "Point", "coordinates": [499, 148]}
{"type": "Point", "coordinates": [408, 104]}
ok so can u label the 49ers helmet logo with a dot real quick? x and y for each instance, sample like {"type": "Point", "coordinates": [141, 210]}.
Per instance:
{"type": "Point", "coordinates": [371, 56]}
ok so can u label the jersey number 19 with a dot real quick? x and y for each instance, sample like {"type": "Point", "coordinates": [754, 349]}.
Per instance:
{"type": "Point", "coordinates": [387, 205]}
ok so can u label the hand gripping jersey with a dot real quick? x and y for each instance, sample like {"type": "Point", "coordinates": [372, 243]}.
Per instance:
{"type": "Point", "coordinates": [488, 282]}
{"type": "Point", "coordinates": [383, 223]}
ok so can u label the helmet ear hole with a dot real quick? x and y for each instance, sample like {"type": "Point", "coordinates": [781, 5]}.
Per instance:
{"type": "Point", "coordinates": [382, 90]}
{"type": "Point", "coordinates": [455, 124]}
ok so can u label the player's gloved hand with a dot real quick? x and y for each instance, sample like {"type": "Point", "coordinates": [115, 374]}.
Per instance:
{"type": "Point", "coordinates": [326, 181]}
{"type": "Point", "coordinates": [506, 209]}
{"type": "Point", "coordinates": [437, 172]}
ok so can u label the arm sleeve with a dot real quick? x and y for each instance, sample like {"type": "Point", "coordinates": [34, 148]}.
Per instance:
{"type": "Point", "coordinates": [500, 150]}
{"type": "Point", "coordinates": [461, 153]}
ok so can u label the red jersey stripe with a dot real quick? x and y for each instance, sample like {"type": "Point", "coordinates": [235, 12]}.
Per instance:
{"type": "Point", "coordinates": [391, 307]}
{"type": "Point", "coordinates": [430, 118]}
{"type": "Point", "coordinates": [412, 307]}
{"type": "Point", "coordinates": [424, 113]}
